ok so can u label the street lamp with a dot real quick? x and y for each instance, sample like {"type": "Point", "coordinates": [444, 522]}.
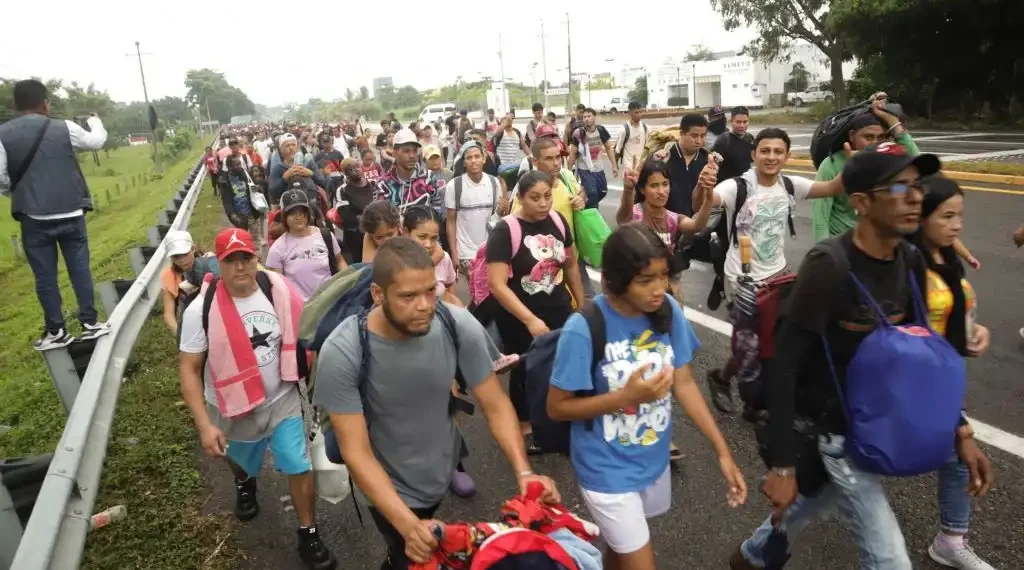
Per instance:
{"type": "Point", "coordinates": [533, 81]}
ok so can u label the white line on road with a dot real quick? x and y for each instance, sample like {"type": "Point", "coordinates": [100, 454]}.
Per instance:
{"type": "Point", "coordinates": [984, 432]}
{"type": "Point", "coordinates": [996, 154]}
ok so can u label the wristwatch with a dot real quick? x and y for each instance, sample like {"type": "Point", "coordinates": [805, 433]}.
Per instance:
{"type": "Point", "coordinates": [785, 472]}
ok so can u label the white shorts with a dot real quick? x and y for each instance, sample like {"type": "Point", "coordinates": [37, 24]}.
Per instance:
{"type": "Point", "coordinates": [622, 517]}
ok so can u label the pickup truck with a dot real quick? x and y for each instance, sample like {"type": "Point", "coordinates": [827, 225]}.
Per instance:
{"type": "Point", "coordinates": [804, 97]}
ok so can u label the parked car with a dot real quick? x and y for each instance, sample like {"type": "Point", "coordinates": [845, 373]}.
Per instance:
{"type": "Point", "coordinates": [436, 112]}
{"type": "Point", "coordinates": [811, 96]}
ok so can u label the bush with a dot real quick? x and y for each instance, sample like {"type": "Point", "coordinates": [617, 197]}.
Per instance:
{"type": "Point", "coordinates": [678, 101]}
{"type": "Point", "coordinates": [174, 146]}
{"type": "Point", "coordinates": [821, 109]}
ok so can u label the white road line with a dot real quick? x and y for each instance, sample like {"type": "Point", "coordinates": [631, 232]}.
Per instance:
{"type": "Point", "coordinates": [982, 155]}
{"type": "Point", "coordinates": [986, 433]}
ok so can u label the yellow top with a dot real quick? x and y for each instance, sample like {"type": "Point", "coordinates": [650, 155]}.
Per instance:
{"type": "Point", "coordinates": [560, 197]}
{"type": "Point", "coordinates": [940, 302]}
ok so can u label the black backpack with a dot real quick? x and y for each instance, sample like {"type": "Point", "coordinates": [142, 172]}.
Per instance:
{"type": "Point", "coordinates": [741, 198]}
{"type": "Point", "coordinates": [833, 132]}
{"type": "Point", "coordinates": [332, 256]}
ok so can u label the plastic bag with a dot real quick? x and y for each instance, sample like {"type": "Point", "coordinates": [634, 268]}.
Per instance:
{"type": "Point", "coordinates": [591, 233]}
{"type": "Point", "coordinates": [332, 479]}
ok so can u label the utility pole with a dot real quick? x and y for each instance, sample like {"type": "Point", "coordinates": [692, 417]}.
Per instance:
{"type": "Point", "coordinates": [568, 37]}
{"type": "Point", "coordinates": [145, 95]}
{"type": "Point", "coordinates": [501, 68]}
{"type": "Point", "coordinates": [544, 59]}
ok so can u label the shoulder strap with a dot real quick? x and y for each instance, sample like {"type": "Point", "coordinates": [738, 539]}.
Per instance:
{"type": "Point", "coordinates": [211, 289]}
{"type": "Point", "coordinates": [332, 256]}
{"type": "Point", "coordinates": [515, 233]}
{"type": "Point", "coordinates": [458, 192]}
{"type": "Point", "coordinates": [557, 219]}
{"type": "Point", "coordinates": [263, 281]}
{"type": "Point", "coordinates": [621, 150]}
{"type": "Point", "coordinates": [32, 151]}
{"type": "Point", "coordinates": [494, 193]}
{"type": "Point", "coordinates": [741, 198]}
{"type": "Point", "coordinates": [788, 183]}
{"type": "Point", "coordinates": [598, 338]}
{"type": "Point", "coordinates": [448, 321]}
{"type": "Point", "coordinates": [603, 133]}
{"type": "Point", "coordinates": [364, 354]}
{"type": "Point", "coordinates": [644, 125]}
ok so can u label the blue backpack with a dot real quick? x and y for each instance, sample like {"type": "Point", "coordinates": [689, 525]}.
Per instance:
{"type": "Point", "coordinates": [905, 389]}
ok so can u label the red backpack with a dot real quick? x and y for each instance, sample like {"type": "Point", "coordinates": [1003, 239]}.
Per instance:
{"type": "Point", "coordinates": [521, 541]}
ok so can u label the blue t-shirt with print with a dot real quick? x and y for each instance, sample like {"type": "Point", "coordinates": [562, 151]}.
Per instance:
{"type": "Point", "coordinates": [626, 451]}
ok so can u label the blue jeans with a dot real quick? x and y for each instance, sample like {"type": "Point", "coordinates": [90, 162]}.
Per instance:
{"type": "Point", "coordinates": [595, 184]}
{"type": "Point", "coordinates": [858, 498]}
{"type": "Point", "coordinates": [954, 502]}
{"type": "Point", "coordinates": [40, 239]}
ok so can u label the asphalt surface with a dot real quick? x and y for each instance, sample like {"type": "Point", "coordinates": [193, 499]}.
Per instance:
{"type": "Point", "coordinates": [951, 145]}
{"type": "Point", "coordinates": [701, 531]}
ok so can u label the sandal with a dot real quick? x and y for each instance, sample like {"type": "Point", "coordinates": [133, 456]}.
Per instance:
{"type": "Point", "coordinates": [531, 447]}
{"type": "Point", "coordinates": [721, 392]}
{"type": "Point", "coordinates": [674, 453]}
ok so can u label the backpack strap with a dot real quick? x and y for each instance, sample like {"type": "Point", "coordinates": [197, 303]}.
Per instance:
{"type": "Point", "coordinates": [494, 193]}
{"type": "Point", "coordinates": [788, 183]}
{"type": "Point", "coordinates": [741, 198]}
{"type": "Point", "coordinates": [557, 219]}
{"type": "Point", "coordinates": [262, 281]}
{"type": "Point", "coordinates": [458, 192]}
{"type": "Point", "coordinates": [619, 152]}
{"type": "Point", "coordinates": [597, 328]}
{"type": "Point", "coordinates": [515, 233]}
{"type": "Point", "coordinates": [332, 256]}
{"type": "Point", "coordinates": [448, 321]}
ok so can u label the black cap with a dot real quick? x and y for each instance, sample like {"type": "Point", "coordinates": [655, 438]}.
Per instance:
{"type": "Point", "coordinates": [294, 199]}
{"type": "Point", "coordinates": [876, 164]}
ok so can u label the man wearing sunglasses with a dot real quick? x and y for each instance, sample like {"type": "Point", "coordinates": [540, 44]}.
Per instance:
{"type": "Point", "coordinates": [883, 186]}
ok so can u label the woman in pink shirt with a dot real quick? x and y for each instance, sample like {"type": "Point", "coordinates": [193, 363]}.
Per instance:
{"type": "Point", "coordinates": [304, 252]}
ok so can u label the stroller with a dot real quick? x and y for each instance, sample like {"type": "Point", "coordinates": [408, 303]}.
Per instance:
{"type": "Point", "coordinates": [531, 535]}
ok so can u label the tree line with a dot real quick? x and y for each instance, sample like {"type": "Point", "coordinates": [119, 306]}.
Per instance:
{"type": "Point", "coordinates": [958, 59]}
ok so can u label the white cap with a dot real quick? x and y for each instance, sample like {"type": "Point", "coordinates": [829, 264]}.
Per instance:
{"type": "Point", "coordinates": [178, 242]}
{"type": "Point", "coordinates": [406, 136]}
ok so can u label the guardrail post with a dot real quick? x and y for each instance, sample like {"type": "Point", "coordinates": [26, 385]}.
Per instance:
{"type": "Point", "coordinates": [139, 257]}
{"type": "Point", "coordinates": [64, 374]}
{"type": "Point", "coordinates": [156, 234]}
{"type": "Point", "coordinates": [111, 292]}
{"type": "Point", "coordinates": [20, 480]}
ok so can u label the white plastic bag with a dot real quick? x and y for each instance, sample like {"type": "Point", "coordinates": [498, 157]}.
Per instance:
{"type": "Point", "coordinates": [332, 483]}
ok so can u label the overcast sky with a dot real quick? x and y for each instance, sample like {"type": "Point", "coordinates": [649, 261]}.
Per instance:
{"type": "Point", "coordinates": [281, 52]}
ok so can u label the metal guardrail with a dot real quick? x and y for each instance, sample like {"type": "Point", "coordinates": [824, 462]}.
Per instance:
{"type": "Point", "coordinates": [54, 538]}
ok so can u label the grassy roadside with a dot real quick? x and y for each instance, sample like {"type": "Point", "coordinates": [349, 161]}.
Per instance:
{"type": "Point", "coordinates": [151, 464]}
{"type": "Point", "coordinates": [151, 461]}
{"type": "Point", "coordinates": [980, 167]}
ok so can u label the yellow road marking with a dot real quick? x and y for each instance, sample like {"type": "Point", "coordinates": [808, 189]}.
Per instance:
{"type": "Point", "coordinates": [811, 174]}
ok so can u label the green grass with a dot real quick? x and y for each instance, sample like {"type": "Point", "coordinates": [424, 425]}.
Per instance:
{"type": "Point", "coordinates": [151, 463]}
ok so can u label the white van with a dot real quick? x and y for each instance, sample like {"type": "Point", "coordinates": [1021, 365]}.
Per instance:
{"type": "Point", "coordinates": [437, 112]}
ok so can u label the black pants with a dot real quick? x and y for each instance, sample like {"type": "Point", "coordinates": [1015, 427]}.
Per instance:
{"type": "Point", "coordinates": [396, 559]}
{"type": "Point", "coordinates": [354, 244]}
{"type": "Point", "coordinates": [516, 339]}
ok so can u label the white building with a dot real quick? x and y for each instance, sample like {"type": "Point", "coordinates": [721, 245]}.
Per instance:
{"type": "Point", "coordinates": [732, 80]}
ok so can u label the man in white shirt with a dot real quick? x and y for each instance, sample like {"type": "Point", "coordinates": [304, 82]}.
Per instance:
{"type": "Point", "coordinates": [765, 200]}
{"type": "Point", "coordinates": [632, 139]}
{"type": "Point", "coordinates": [471, 199]}
{"type": "Point", "coordinates": [49, 197]}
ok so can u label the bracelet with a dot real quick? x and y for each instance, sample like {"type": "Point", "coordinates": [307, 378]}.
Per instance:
{"type": "Point", "coordinates": [785, 472]}
{"type": "Point", "coordinates": [524, 474]}
{"type": "Point", "coordinates": [893, 128]}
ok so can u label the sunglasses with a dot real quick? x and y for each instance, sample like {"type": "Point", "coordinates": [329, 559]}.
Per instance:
{"type": "Point", "coordinates": [897, 188]}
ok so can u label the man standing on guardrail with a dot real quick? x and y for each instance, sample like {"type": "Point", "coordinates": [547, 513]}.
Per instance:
{"type": "Point", "coordinates": [240, 368]}
{"type": "Point", "coordinates": [49, 197]}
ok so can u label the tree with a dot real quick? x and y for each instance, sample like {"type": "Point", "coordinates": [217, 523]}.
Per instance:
{"type": "Point", "coordinates": [931, 73]}
{"type": "Point", "coordinates": [799, 78]}
{"type": "Point", "coordinates": [638, 94]}
{"type": "Point", "coordinates": [408, 96]}
{"type": "Point", "coordinates": [601, 83]}
{"type": "Point", "coordinates": [700, 52]}
{"type": "Point", "coordinates": [207, 88]}
{"type": "Point", "coordinates": [781, 22]}
{"type": "Point", "coordinates": [364, 93]}
{"type": "Point", "coordinates": [348, 94]}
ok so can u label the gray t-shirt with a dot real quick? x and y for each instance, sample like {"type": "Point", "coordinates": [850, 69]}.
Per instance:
{"type": "Point", "coordinates": [407, 396]}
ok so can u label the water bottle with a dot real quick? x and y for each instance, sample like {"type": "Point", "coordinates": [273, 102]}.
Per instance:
{"type": "Point", "coordinates": [109, 516]}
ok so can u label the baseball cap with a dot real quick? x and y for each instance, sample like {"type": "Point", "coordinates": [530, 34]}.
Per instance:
{"type": "Point", "coordinates": [546, 131]}
{"type": "Point", "coordinates": [877, 163]}
{"type": "Point", "coordinates": [406, 136]}
{"type": "Point", "coordinates": [294, 199]}
{"type": "Point", "coordinates": [179, 242]}
{"type": "Point", "coordinates": [233, 240]}
{"type": "Point", "coordinates": [716, 111]}
{"type": "Point", "coordinates": [287, 137]}
{"type": "Point", "coordinates": [431, 150]}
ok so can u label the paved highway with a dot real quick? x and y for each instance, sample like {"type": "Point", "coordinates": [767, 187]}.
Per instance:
{"type": "Point", "coordinates": [700, 531]}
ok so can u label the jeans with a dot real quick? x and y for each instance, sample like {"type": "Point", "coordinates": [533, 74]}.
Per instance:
{"type": "Point", "coordinates": [40, 239]}
{"type": "Point", "coordinates": [858, 498]}
{"type": "Point", "coordinates": [588, 284]}
{"type": "Point", "coordinates": [595, 185]}
{"type": "Point", "coordinates": [394, 541]}
{"type": "Point", "coordinates": [954, 502]}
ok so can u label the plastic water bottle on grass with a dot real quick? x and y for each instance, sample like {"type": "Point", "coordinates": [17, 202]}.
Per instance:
{"type": "Point", "coordinates": [107, 517]}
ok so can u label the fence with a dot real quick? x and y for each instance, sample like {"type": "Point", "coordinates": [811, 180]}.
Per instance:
{"type": "Point", "coordinates": [54, 536]}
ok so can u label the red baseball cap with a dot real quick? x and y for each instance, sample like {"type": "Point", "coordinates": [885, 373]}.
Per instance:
{"type": "Point", "coordinates": [233, 240]}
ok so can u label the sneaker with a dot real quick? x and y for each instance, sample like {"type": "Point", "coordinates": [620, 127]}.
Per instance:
{"type": "Point", "coordinates": [94, 330]}
{"type": "Point", "coordinates": [958, 554]}
{"type": "Point", "coordinates": [721, 393]}
{"type": "Point", "coordinates": [52, 340]}
{"type": "Point", "coordinates": [312, 551]}
{"type": "Point", "coordinates": [462, 485]}
{"type": "Point", "coordinates": [246, 505]}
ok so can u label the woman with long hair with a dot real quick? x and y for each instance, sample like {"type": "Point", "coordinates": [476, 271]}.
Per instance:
{"type": "Point", "coordinates": [621, 430]}
{"type": "Point", "coordinates": [952, 309]}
